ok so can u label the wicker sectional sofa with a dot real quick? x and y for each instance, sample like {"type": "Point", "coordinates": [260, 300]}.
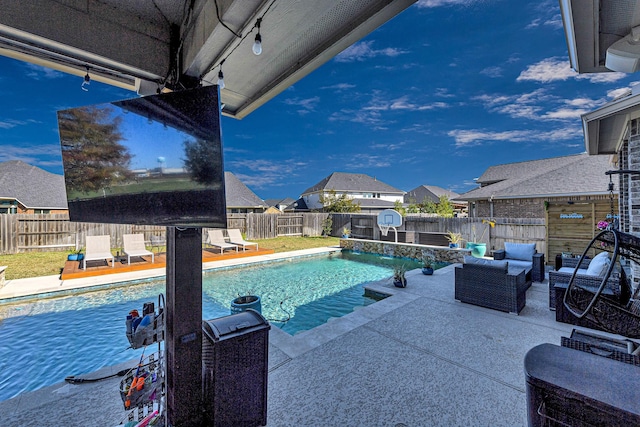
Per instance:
{"type": "Point", "coordinates": [492, 284]}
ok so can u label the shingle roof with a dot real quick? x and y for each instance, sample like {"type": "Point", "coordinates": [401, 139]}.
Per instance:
{"type": "Point", "coordinates": [350, 182]}
{"type": "Point", "coordinates": [238, 194]}
{"type": "Point", "coordinates": [297, 205]}
{"type": "Point", "coordinates": [558, 176]}
{"type": "Point", "coordinates": [284, 202]}
{"type": "Point", "coordinates": [35, 188]}
{"type": "Point", "coordinates": [432, 193]}
{"type": "Point", "coordinates": [374, 203]}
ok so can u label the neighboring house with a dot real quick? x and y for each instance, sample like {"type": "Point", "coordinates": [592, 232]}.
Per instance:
{"type": "Point", "coordinates": [525, 189]}
{"type": "Point", "coordinates": [279, 204]}
{"type": "Point", "coordinates": [432, 193]}
{"type": "Point", "coordinates": [371, 194]}
{"type": "Point", "coordinates": [239, 198]}
{"type": "Point", "coordinates": [27, 189]}
{"type": "Point", "coordinates": [298, 206]}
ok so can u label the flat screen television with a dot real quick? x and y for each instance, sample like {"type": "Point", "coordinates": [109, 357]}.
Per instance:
{"type": "Point", "coordinates": [154, 160]}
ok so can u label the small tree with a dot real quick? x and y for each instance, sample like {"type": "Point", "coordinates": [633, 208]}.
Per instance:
{"type": "Point", "coordinates": [397, 205]}
{"type": "Point", "coordinates": [327, 226]}
{"type": "Point", "coordinates": [445, 208]}
{"type": "Point", "coordinates": [428, 206]}
{"type": "Point", "coordinates": [331, 202]}
{"type": "Point", "coordinates": [413, 206]}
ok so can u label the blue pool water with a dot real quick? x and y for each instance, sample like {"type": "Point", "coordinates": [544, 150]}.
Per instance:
{"type": "Point", "coordinates": [43, 342]}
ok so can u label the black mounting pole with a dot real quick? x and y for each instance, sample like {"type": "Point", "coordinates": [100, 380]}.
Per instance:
{"type": "Point", "coordinates": [183, 341]}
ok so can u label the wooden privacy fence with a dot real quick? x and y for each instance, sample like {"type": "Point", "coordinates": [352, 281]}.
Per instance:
{"type": "Point", "coordinates": [268, 226]}
{"type": "Point", "coordinates": [24, 233]}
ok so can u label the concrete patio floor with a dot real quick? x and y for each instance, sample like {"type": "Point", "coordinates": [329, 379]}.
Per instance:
{"type": "Point", "coordinates": [418, 358]}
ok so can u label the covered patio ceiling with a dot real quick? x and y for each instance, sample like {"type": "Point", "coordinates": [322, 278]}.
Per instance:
{"type": "Point", "coordinates": [146, 45]}
{"type": "Point", "coordinates": [592, 26]}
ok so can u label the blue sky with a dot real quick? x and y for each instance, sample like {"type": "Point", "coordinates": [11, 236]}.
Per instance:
{"type": "Point", "coordinates": [435, 96]}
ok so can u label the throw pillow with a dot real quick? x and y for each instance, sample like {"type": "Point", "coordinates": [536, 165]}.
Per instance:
{"type": "Point", "coordinates": [521, 251]}
{"type": "Point", "coordinates": [599, 264]}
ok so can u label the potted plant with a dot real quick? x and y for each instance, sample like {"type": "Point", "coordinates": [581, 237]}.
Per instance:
{"type": "Point", "coordinates": [76, 255]}
{"type": "Point", "coordinates": [399, 279]}
{"type": "Point", "coordinates": [454, 239]}
{"type": "Point", "coordinates": [346, 232]}
{"type": "Point", "coordinates": [427, 265]}
{"type": "Point", "coordinates": [477, 246]}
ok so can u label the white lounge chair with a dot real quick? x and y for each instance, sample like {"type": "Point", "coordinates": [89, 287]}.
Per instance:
{"type": "Point", "coordinates": [134, 246]}
{"type": "Point", "coordinates": [235, 237]}
{"type": "Point", "coordinates": [216, 239]}
{"type": "Point", "coordinates": [98, 247]}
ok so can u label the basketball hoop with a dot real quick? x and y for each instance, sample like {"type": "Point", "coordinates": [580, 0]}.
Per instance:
{"type": "Point", "coordinates": [388, 219]}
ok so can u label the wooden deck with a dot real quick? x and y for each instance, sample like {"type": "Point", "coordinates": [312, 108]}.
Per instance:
{"type": "Point", "coordinates": [73, 269]}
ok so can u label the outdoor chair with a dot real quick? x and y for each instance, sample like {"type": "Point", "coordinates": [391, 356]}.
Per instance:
{"type": "Point", "coordinates": [491, 284]}
{"type": "Point", "coordinates": [235, 237]}
{"type": "Point", "coordinates": [134, 246]}
{"type": "Point", "coordinates": [589, 276]}
{"type": "Point", "coordinates": [158, 241]}
{"type": "Point", "coordinates": [523, 255]}
{"type": "Point", "coordinates": [98, 248]}
{"type": "Point", "coordinates": [216, 239]}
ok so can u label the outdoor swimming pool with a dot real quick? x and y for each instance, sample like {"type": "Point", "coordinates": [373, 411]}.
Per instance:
{"type": "Point", "coordinates": [43, 342]}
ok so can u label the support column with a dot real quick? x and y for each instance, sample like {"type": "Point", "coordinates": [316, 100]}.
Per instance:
{"type": "Point", "coordinates": [183, 341]}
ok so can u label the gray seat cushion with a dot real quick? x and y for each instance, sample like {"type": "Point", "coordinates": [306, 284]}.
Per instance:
{"type": "Point", "coordinates": [525, 265]}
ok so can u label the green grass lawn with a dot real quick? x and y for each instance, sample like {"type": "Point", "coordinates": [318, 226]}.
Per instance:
{"type": "Point", "coordinates": [34, 264]}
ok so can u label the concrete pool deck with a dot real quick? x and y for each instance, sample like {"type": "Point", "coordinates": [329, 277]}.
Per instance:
{"type": "Point", "coordinates": [418, 358]}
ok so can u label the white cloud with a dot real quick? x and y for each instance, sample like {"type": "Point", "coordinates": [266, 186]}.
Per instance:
{"type": "Point", "coordinates": [554, 22]}
{"type": "Point", "coordinates": [443, 92]}
{"type": "Point", "coordinates": [11, 123]}
{"type": "Point", "coordinates": [616, 93]}
{"type": "Point", "coordinates": [371, 118]}
{"type": "Point", "coordinates": [564, 113]}
{"type": "Point", "coordinates": [388, 147]}
{"type": "Point", "coordinates": [362, 160]}
{"type": "Point", "coordinates": [339, 87]}
{"type": "Point", "coordinates": [470, 138]}
{"type": "Point", "coordinates": [362, 51]}
{"type": "Point", "coordinates": [38, 72]}
{"type": "Point", "coordinates": [556, 68]}
{"type": "Point", "coordinates": [307, 104]}
{"type": "Point", "coordinates": [537, 105]}
{"type": "Point", "coordinates": [262, 173]}
{"type": "Point", "coordinates": [39, 155]}
{"type": "Point", "coordinates": [493, 72]}
{"type": "Point", "coordinates": [438, 3]}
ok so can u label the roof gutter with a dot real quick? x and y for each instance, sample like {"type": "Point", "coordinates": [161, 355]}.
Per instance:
{"type": "Point", "coordinates": [538, 196]}
{"type": "Point", "coordinates": [570, 35]}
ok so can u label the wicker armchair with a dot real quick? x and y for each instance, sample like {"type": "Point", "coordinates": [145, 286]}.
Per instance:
{"type": "Point", "coordinates": [491, 284]}
{"type": "Point", "coordinates": [584, 281]}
